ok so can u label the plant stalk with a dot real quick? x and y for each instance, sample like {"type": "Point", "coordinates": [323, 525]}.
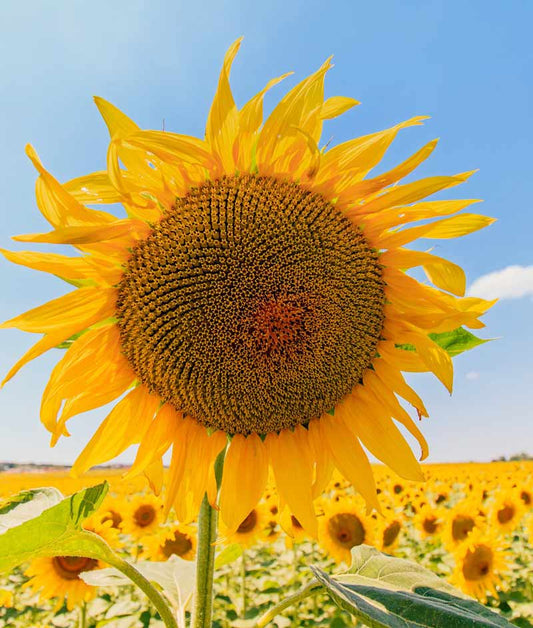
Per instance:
{"type": "Point", "coordinates": [205, 566]}
{"type": "Point", "coordinates": [243, 583]}
{"type": "Point", "coordinates": [309, 589]}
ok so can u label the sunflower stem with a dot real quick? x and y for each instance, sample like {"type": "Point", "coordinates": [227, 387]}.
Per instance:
{"type": "Point", "coordinates": [146, 587]}
{"type": "Point", "coordinates": [83, 615]}
{"type": "Point", "coordinates": [205, 566]}
{"type": "Point", "coordinates": [309, 589]}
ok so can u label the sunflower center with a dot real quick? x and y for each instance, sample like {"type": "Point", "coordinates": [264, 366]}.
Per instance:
{"type": "Point", "coordinates": [477, 563]}
{"type": "Point", "coordinates": [253, 306]}
{"type": "Point", "coordinates": [505, 514]}
{"type": "Point", "coordinates": [114, 517]}
{"type": "Point", "coordinates": [248, 524]}
{"type": "Point", "coordinates": [461, 527]}
{"type": "Point", "coordinates": [70, 567]}
{"type": "Point", "coordinates": [346, 529]}
{"type": "Point", "coordinates": [179, 545]}
{"type": "Point", "coordinates": [144, 515]}
{"type": "Point", "coordinates": [390, 534]}
{"type": "Point", "coordinates": [430, 525]}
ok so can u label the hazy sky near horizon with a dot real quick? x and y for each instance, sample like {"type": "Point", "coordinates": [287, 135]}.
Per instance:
{"type": "Point", "coordinates": [466, 64]}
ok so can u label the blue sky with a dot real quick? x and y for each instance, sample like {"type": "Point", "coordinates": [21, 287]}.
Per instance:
{"type": "Point", "coordinates": [466, 64]}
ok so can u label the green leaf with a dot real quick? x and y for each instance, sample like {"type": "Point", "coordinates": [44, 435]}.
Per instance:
{"type": "Point", "coordinates": [176, 577]}
{"type": "Point", "coordinates": [383, 591]}
{"type": "Point", "coordinates": [41, 523]}
{"type": "Point", "coordinates": [228, 555]}
{"type": "Point", "coordinates": [457, 341]}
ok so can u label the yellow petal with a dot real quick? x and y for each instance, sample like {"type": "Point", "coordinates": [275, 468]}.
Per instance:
{"type": "Point", "coordinates": [250, 119]}
{"type": "Point", "coordinates": [157, 439]}
{"type": "Point", "coordinates": [80, 308]}
{"type": "Point", "coordinates": [73, 268]}
{"type": "Point", "coordinates": [387, 398]}
{"type": "Point", "coordinates": [223, 119]}
{"type": "Point", "coordinates": [393, 378]}
{"type": "Point", "coordinates": [155, 474]}
{"type": "Point", "coordinates": [336, 106]}
{"type": "Point", "coordinates": [441, 272]}
{"type": "Point", "coordinates": [300, 108]}
{"type": "Point", "coordinates": [410, 192]}
{"type": "Point", "coordinates": [57, 205]}
{"type": "Point", "coordinates": [291, 462]}
{"type": "Point", "coordinates": [93, 189]}
{"type": "Point", "coordinates": [86, 235]}
{"type": "Point", "coordinates": [347, 453]}
{"type": "Point", "coordinates": [93, 372]}
{"type": "Point", "coordinates": [125, 425]}
{"type": "Point", "coordinates": [243, 480]}
{"type": "Point", "coordinates": [324, 465]}
{"type": "Point", "coordinates": [381, 437]}
{"type": "Point", "coordinates": [118, 123]}
{"type": "Point", "coordinates": [351, 161]}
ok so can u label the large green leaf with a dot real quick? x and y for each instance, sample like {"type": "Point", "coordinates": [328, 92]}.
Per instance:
{"type": "Point", "coordinates": [457, 341]}
{"type": "Point", "coordinates": [43, 523]}
{"type": "Point", "coordinates": [382, 591]}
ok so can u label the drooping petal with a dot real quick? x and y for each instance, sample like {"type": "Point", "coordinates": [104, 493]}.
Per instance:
{"type": "Point", "coordinates": [293, 470]}
{"type": "Point", "coordinates": [371, 423]}
{"type": "Point", "coordinates": [155, 474]}
{"type": "Point", "coordinates": [118, 123]}
{"type": "Point", "coordinates": [324, 463]}
{"type": "Point", "coordinates": [125, 425]}
{"type": "Point", "coordinates": [348, 454]}
{"type": "Point", "coordinates": [157, 439]}
{"type": "Point", "coordinates": [240, 491]}
{"type": "Point", "coordinates": [393, 378]}
{"type": "Point", "coordinates": [93, 188]}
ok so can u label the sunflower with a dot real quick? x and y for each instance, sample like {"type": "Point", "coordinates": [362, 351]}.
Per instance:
{"type": "Point", "coordinates": [508, 510]}
{"type": "Point", "coordinates": [342, 527]}
{"type": "Point", "coordinates": [461, 520]}
{"type": "Point", "coordinates": [429, 521]}
{"type": "Point", "coordinates": [252, 529]}
{"type": "Point", "coordinates": [479, 565]}
{"type": "Point", "coordinates": [174, 540]}
{"type": "Point", "coordinates": [389, 533]}
{"type": "Point", "coordinates": [144, 515]}
{"type": "Point", "coordinates": [113, 509]}
{"type": "Point", "coordinates": [59, 577]}
{"type": "Point", "coordinates": [253, 297]}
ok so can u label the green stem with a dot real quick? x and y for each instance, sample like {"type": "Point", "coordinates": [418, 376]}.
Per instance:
{"type": "Point", "coordinates": [146, 587]}
{"type": "Point", "coordinates": [310, 589]}
{"type": "Point", "coordinates": [243, 583]}
{"type": "Point", "coordinates": [205, 566]}
{"type": "Point", "coordinates": [83, 615]}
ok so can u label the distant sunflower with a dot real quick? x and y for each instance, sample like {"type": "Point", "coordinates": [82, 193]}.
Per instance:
{"type": "Point", "coordinates": [255, 293]}
{"type": "Point", "coordinates": [6, 598]}
{"type": "Point", "coordinates": [144, 515]}
{"type": "Point", "coordinates": [480, 563]}
{"type": "Point", "coordinates": [390, 530]}
{"type": "Point", "coordinates": [252, 529]}
{"type": "Point", "coordinates": [429, 521]}
{"type": "Point", "coordinates": [508, 510]}
{"type": "Point", "coordinates": [460, 521]}
{"type": "Point", "coordinates": [58, 578]}
{"type": "Point", "coordinates": [343, 527]}
{"type": "Point", "coordinates": [174, 540]}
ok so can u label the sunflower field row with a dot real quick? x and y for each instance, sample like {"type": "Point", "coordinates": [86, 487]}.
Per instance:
{"type": "Point", "coordinates": [469, 523]}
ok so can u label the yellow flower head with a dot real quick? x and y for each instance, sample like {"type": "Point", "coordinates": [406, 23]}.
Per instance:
{"type": "Point", "coordinates": [507, 510]}
{"type": "Point", "coordinates": [173, 540]}
{"type": "Point", "coordinates": [252, 529]}
{"type": "Point", "coordinates": [58, 578]}
{"type": "Point", "coordinates": [144, 515]}
{"type": "Point", "coordinates": [254, 296]}
{"type": "Point", "coordinates": [479, 565]}
{"type": "Point", "coordinates": [460, 522]}
{"type": "Point", "coordinates": [429, 521]}
{"type": "Point", "coordinates": [342, 527]}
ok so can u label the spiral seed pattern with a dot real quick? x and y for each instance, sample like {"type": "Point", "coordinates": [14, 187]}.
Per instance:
{"type": "Point", "coordinates": [253, 306]}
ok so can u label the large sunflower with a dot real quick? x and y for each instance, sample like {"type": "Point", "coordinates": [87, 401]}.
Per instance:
{"type": "Point", "coordinates": [254, 295]}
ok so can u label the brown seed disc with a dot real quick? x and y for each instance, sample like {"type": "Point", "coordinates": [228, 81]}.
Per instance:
{"type": "Point", "coordinates": [70, 567]}
{"type": "Point", "coordinates": [346, 529]}
{"type": "Point", "coordinates": [253, 306]}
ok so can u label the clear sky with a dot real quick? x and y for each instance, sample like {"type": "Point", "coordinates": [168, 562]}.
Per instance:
{"type": "Point", "coordinates": [466, 64]}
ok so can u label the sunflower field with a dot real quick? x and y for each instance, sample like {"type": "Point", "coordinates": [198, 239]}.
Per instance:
{"type": "Point", "coordinates": [471, 524]}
